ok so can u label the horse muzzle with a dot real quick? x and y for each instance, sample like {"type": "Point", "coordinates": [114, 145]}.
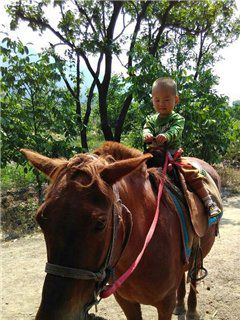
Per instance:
{"type": "Point", "coordinates": [65, 299]}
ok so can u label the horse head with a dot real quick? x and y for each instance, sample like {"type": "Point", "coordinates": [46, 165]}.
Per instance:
{"type": "Point", "coordinates": [78, 222]}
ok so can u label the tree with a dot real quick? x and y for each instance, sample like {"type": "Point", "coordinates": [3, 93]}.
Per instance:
{"type": "Point", "coordinates": [233, 151]}
{"type": "Point", "coordinates": [36, 112]}
{"type": "Point", "coordinates": [235, 109]}
{"type": "Point", "coordinates": [168, 37]}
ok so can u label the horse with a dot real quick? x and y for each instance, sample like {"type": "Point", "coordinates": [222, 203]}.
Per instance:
{"type": "Point", "coordinates": [95, 217]}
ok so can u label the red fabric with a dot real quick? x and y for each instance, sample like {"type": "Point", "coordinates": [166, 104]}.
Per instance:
{"type": "Point", "coordinates": [176, 160]}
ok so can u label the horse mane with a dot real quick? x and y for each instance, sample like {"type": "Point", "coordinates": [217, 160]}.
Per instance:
{"type": "Point", "coordinates": [83, 171]}
{"type": "Point", "coordinates": [117, 150]}
{"type": "Point", "coordinates": [120, 152]}
{"type": "Point", "coordinates": [87, 165]}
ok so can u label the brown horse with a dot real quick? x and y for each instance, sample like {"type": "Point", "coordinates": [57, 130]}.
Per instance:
{"type": "Point", "coordinates": [95, 218]}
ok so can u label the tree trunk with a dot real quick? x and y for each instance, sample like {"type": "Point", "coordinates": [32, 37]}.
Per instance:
{"type": "Point", "coordinates": [84, 139]}
{"type": "Point", "coordinates": [107, 132]}
{"type": "Point", "coordinates": [128, 100]}
{"type": "Point", "coordinates": [87, 116]}
{"type": "Point", "coordinates": [121, 118]}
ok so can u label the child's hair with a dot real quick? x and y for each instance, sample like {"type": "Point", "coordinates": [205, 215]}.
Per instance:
{"type": "Point", "coordinates": [166, 83]}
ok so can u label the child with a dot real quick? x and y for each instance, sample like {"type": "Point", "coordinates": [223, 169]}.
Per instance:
{"type": "Point", "coordinates": [166, 127]}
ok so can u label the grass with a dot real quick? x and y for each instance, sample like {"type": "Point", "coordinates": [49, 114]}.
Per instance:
{"type": "Point", "coordinates": [19, 201]}
{"type": "Point", "coordinates": [18, 217]}
{"type": "Point", "coordinates": [14, 177]}
{"type": "Point", "coordinates": [230, 178]}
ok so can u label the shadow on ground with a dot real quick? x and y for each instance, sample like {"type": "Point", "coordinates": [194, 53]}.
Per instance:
{"type": "Point", "coordinates": [231, 203]}
{"type": "Point", "coordinates": [225, 221]}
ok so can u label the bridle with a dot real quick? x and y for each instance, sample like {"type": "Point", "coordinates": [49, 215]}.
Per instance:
{"type": "Point", "coordinates": [106, 271]}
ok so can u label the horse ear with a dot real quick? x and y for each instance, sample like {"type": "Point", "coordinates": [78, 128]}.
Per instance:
{"type": "Point", "coordinates": [119, 169]}
{"type": "Point", "coordinates": [42, 163]}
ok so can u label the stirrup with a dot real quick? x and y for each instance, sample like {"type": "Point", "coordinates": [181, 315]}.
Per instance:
{"type": "Point", "coordinates": [213, 210]}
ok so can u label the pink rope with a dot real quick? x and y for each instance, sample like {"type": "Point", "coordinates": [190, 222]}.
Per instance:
{"type": "Point", "coordinates": [110, 289]}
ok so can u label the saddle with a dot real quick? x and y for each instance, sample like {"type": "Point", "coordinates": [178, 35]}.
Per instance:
{"type": "Point", "coordinates": [198, 217]}
{"type": "Point", "coordinates": [193, 218]}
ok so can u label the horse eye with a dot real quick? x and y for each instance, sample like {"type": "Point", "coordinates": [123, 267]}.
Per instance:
{"type": "Point", "coordinates": [100, 225]}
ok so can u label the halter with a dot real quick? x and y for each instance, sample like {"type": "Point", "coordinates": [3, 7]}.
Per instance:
{"type": "Point", "coordinates": [101, 276]}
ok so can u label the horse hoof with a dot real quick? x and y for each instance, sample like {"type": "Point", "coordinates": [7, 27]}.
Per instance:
{"type": "Point", "coordinates": [179, 310]}
{"type": "Point", "coordinates": [192, 316]}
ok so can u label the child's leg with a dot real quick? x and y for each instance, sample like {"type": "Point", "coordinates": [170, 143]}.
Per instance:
{"type": "Point", "coordinates": [195, 179]}
{"type": "Point", "coordinates": [212, 207]}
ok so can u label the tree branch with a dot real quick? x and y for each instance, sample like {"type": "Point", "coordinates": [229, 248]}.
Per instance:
{"type": "Point", "coordinates": [93, 73]}
{"type": "Point", "coordinates": [154, 47]}
{"type": "Point", "coordinates": [78, 103]}
{"type": "Point", "coordinates": [200, 55]}
{"type": "Point", "coordinates": [43, 25]}
{"type": "Point", "coordinates": [63, 75]}
{"type": "Point", "coordinates": [83, 12]}
{"type": "Point", "coordinates": [104, 22]}
{"type": "Point", "coordinates": [136, 30]}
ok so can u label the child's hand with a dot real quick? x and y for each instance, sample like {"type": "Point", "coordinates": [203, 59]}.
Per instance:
{"type": "Point", "coordinates": [148, 138]}
{"type": "Point", "coordinates": [161, 138]}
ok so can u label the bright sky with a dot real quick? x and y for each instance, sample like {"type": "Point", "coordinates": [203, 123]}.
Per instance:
{"type": "Point", "coordinates": [228, 69]}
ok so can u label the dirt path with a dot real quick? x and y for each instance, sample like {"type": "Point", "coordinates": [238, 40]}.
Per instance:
{"type": "Point", "coordinates": [219, 295]}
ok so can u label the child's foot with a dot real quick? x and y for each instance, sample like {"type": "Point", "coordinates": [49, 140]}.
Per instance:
{"type": "Point", "coordinates": [213, 210]}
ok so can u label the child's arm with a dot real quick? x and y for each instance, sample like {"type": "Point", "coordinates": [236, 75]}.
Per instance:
{"type": "Point", "coordinates": [148, 131]}
{"type": "Point", "coordinates": [175, 131]}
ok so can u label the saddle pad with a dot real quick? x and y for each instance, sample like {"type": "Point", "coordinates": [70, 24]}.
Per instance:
{"type": "Point", "coordinates": [185, 223]}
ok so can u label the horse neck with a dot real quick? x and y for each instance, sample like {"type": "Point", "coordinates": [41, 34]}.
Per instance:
{"type": "Point", "coordinates": [138, 196]}
{"type": "Point", "coordinates": [136, 193]}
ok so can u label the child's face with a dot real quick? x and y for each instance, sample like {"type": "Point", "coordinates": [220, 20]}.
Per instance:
{"type": "Point", "coordinates": [164, 101]}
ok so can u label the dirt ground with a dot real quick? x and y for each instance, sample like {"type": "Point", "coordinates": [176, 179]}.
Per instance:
{"type": "Point", "coordinates": [23, 262]}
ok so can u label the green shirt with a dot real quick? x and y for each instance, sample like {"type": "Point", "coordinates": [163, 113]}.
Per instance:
{"type": "Point", "coordinates": [171, 126]}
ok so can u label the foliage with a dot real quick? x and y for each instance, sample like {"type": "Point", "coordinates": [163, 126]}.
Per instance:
{"type": "Point", "coordinates": [167, 36]}
{"type": "Point", "coordinates": [149, 39]}
{"type": "Point", "coordinates": [233, 150]}
{"type": "Point", "coordinates": [36, 113]}
{"type": "Point", "coordinates": [16, 176]}
{"type": "Point", "coordinates": [206, 133]}
{"type": "Point", "coordinates": [230, 177]}
{"type": "Point", "coordinates": [18, 213]}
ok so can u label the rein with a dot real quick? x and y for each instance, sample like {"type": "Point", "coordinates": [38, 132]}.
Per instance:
{"type": "Point", "coordinates": [110, 289]}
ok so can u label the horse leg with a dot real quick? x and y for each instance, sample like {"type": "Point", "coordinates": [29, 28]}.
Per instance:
{"type": "Point", "coordinates": [166, 306]}
{"type": "Point", "coordinates": [132, 310]}
{"type": "Point", "coordinates": [192, 313]}
{"type": "Point", "coordinates": [181, 292]}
